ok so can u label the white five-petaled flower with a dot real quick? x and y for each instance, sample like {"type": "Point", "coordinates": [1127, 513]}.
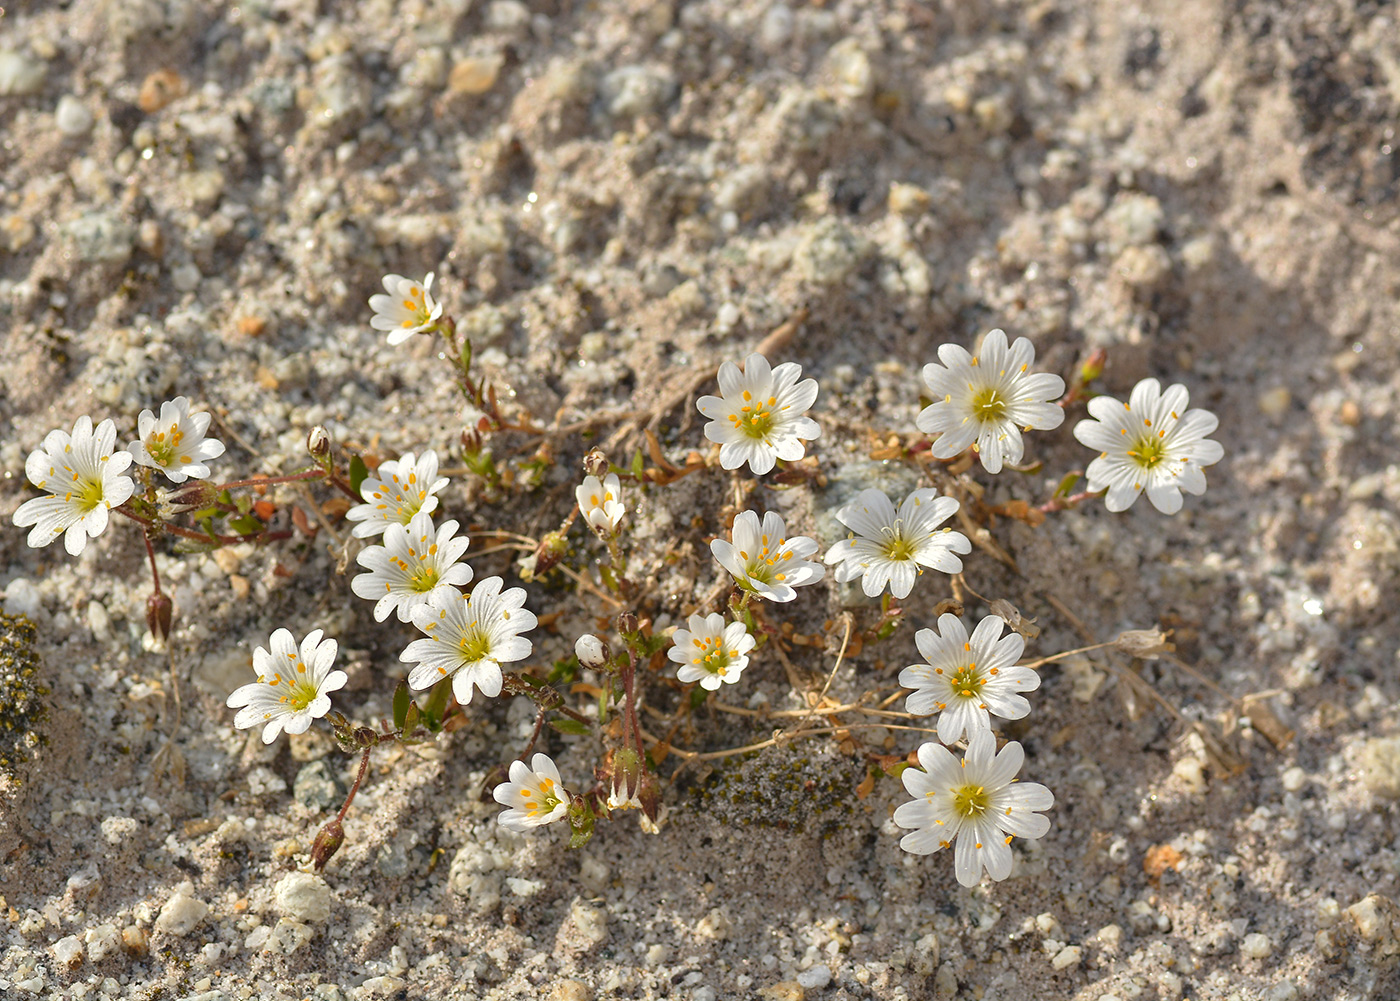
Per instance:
{"type": "Point", "coordinates": [975, 802]}
{"type": "Point", "coordinates": [415, 564]}
{"type": "Point", "coordinates": [534, 796]}
{"type": "Point", "coordinates": [293, 685]}
{"type": "Point", "coordinates": [396, 492]}
{"type": "Point", "coordinates": [984, 399]}
{"type": "Point", "coordinates": [890, 547]}
{"type": "Point", "coordinates": [175, 443]}
{"type": "Point", "coordinates": [600, 503]}
{"type": "Point", "coordinates": [966, 680]}
{"type": "Point", "coordinates": [1152, 442]}
{"type": "Point", "coordinates": [711, 652]}
{"type": "Point", "coordinates": [763, 560]}
{"type": "Point", "coordinates": [469, 639]}
{"type": "Point", "coordinates": [408, 308]}
{"type": "Point", "coordinates": [758, 416]}
{"type": "Point", "coordinates": [84, 478]}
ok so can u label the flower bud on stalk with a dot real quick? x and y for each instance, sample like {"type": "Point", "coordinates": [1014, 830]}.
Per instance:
{"type": "Point", "coordinates": [160, 611]}
{"type": "Point", "coordinates": [595, 463]}
{"type": "Point", "coordinates": [592, 652]}
{"type": "Point", "coordinates": [318, 444]}
{"type": "Point", "coordinates": [327, 843]}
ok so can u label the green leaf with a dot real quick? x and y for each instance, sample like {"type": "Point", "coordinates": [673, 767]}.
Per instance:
{"type": "Point", "coordinates": [402, 701]}
{"type": "Point", "coordinates": [359, 472]}
{"type": "Point", "coordinates": [698, 696]}
{"type": "Point", "coordinates": [564, 671]}
{"type": "Point", "coordinates": [412, 718]}
{"type": "Point", "coordinates": [1066, 486]}
{"type": "Point", "coordinates": [638, 464]}
{"type": "Point", "coordinates": [246, 524]}
{"type": "Point", "coordinates": [573, 726]}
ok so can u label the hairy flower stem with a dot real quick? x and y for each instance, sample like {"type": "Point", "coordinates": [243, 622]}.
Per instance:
{"type": "Point", "coordinates": [546, 698]}
{"type": "Point", "coordinates": [359, 777]}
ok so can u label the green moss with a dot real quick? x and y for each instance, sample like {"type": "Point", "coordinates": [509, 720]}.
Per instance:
{"type": "Point", "coordinates": [784, 787]}
{"type": "Point", "coordinates": [23, 711]}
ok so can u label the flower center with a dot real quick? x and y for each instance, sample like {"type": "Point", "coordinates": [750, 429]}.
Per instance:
{"type": "Point", "coordinates": [713, 657]}
{"type": "Point", "coordinates": [899, 548]}
{"type": "Point", "coordinates": [423, 579]}
{"type": "Point", "coordinates": [755, 418]}
{"type": "Point", "coordinates": [1148, 451]}
{"type": "Point", "coordinates": [971, 800]}
{"type": "Point", "coordinates": [301, 695]}
{"type": "Point", "coordinates": [545, 803]}
{"type": "Point", "coordinates": [417, 305]}
{"type": "Point", "coordinates": [474, 646]}
{"type": "Point", "coordinates": [162, 445]}
{"type": "Point", "coordinates": [89, 494]}
{"type": "Point", "coordinates": [989, 405]}
{"type": "Point", "coordinates": [967, 682]}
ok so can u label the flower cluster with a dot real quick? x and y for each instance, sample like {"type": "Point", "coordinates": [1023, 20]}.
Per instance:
{"type": "Point", "coordinates": [85, 476]}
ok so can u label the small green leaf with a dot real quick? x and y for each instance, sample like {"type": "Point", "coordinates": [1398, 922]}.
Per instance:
{"type": "Point", "coordinates": [412, 718]}
{"type": "Point", "coordinates": [246, 524]}
{"type": "Point", "coordinates": [564, 671]}
{"type": "Point", "coordinates": [532, 681]}
{"type": "Point", "coordinates": [359, 472]}
{"type": "Point", "coordinates": [567, 725]}
{"type": "Point", "coordinates": [402, 701]}
{"type": "Point", "coordinates": [698, 696]}
{"type": "Point", "coordinates": [638, 464]}
{"type": "Point", "coordinates": [1066, 486]}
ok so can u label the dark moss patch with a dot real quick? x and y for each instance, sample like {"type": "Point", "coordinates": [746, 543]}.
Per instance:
{"type": "Point", "coordinates": [23, 710]}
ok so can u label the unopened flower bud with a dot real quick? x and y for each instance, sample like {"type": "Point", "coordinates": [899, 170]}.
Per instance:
{"type": "Point", "coordinates": [327, 843]}
{"type": "Point", "coordinates": [627, 772]}
{"type": "Point", "coordinates": [160, 611]}
{"type": "Point", "coordinates": [1092, 367]}
{"type": "Point", "coordinates": [591, 651]}
{"type": "Point", "coordinates": [1146, 644]}
{"type": "Point", "coordinates": [549, 552]}
{"type": "Point", "coordinates": [318, 443]}
{"type": "Point", "coordinates": [627, 623]}
{"type": "Point", "coordinates": [595, 463]}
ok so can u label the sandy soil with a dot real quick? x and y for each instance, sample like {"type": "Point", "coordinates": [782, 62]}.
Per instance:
{"type": "Point", "coordinates": [198, 199]}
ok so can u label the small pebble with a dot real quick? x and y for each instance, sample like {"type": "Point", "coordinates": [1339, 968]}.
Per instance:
{"type": "Point", "coordinates": [181, 913]}
{"type": "Point", "coordinates": [20, 74]}
{"type": "Point", "coordinates": [1274, 403]}
{"type": "Point", "coordinates": [1294, 779]}
{"type": "Point", "coordinates": [1256, 946]}
{"type": "Point", "coordinates": [304, 897]}
{"type": "Point", "coordinates": [159, 89]}
{"type": "Point", "coordinates": [72, 116]}
{"type": "Point", "coordinates": [1068, 957]}
{"type": "Point", "coordinates": [570, 990]}
{"type": "Point", "coordinates": [475, 75]}
{"type": "Point", "coordinates": [69, 951]}
{"type": "Point", "coordinates": [1380, 766]}
{"type": "Point", "coordinates": [815, 978]}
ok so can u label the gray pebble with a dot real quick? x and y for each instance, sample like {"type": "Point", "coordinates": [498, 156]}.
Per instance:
{"type": "Point", "coordinates": [20, 74]}
{"type": "Point", "coordinates": [317, 788]}
{"type": "Point", "coordinates": [72, 116]}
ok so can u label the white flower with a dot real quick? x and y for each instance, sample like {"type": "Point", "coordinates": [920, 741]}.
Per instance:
{"type": "Point", "coordinates": [397, 492]}
{"type": "Point", "coordinates": [175, 444]}
{"type": "Point", "coordinates": [889, 547]}
{"type": "Point", "coordinates": [293, 686]}
{"type": "Point", "coordinates": [591, 651]}
{"type": "Point", "coordinates": [1151, 442]}
{"type": "Point", "coordinates": [414, 565]}
{"type": "Point", "coordinates": [975, 802]}
{"type": "Point", "coordinates": [84, 479]}
{"type": "Point", "coordinates": [757, 417]}
{"type": "Point", "coordinates": [600, 503]}
{"type": "Point", "coordinates": [981, 400]}
{"type": "Point", "coordinates": [408, 309]}
{"type": "Point", "coordinates": [469, 639]}
{"type": "Point", "coordinates": [711, 652]}
{"type": "Point", "coordinates": [966, 679]}
{"type": "Point", "coordinates": [763, 560]}
{"type": "Point", "coordinates": [535, 795]}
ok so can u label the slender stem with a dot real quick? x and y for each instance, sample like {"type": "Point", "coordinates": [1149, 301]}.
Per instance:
{"type": "Point", "coordinates": [359, 777]}
{"type": "Point", "coordinates": [188, 533]}
{"type": "Point", "coordinates": [633, 737]}
{"type": "Point", "coordinates": [267, 481]}
{"type": "Point", "coordinates": [151, 555]}
{"type": "Point", "coordinates": [539, 725]}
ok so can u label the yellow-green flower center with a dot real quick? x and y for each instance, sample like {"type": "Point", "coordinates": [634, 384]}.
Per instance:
{"type": "Point", "coordinates": [88, 495]}
{"type": "Point", "coordinates": [1148, 451]}
{"type": "Point", "coordinates": [475, 645]}
{"type": "Point", "coordinates": [301, 695]}
{"type": "Point", "coordinates": [755, 418]}
{"type": "Point", "coordinates": [971, 800]}
{"type": "Point", "coordinates": [899, 548]}
{"type": "Point", "coordinates": [162, 445]}
{"type": "Point", "coordinates": [712, 656]}
{"type": "Point", "coordinates": [967, 682]}
{"type": "Point", "coordinates": [545, 802]}
{"type": "Point", "coordinates": [989, 405]}
{"type": "Point", "coordinates": [424, 579]}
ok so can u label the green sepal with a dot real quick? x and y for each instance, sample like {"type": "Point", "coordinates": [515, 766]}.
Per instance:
{"type": "Point", "coordinates": [567, 725]}
{"type": "Point", "coordinates": [402, 700]}
{"type": "Point", "coordinates": [359, 472]}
